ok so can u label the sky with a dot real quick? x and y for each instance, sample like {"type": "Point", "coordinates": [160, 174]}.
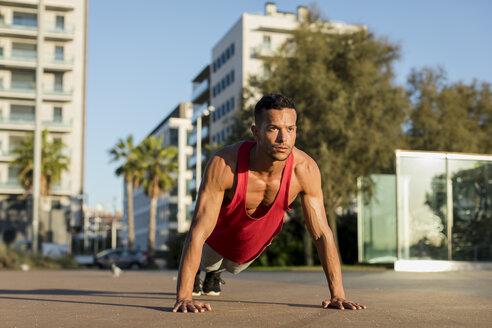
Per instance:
{"type": "Point", "coordinates": [142, 56]}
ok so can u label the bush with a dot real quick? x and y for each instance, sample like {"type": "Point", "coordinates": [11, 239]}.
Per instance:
{"type": "Point", "coordinates": [13, 259]}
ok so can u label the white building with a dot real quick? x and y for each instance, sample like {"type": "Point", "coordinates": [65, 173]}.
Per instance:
{"type": "Point", "coordinates": [172, 215]}
{"type": "Point", "coordinates": [239, 55]}
{"type": "Point", "coordinates": [62, 29]}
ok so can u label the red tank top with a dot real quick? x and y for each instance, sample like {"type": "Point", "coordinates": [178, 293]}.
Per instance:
{"type": "Point", "coordinates": [238, 236]}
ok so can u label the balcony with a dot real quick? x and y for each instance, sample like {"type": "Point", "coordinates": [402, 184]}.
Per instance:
{"type": "Point", "coordinates": [16, 61]}
{"type": "Point", "coordinates": [18, 30]}
{"type": "Point", "coordinates": [51, 32]}
{"type": "Point", "coordinates": [200, 90]}
{"type": "Point", "coordinates": [61, 64]}
{"type": "Point", "coordinates": [262, 51]}
{"type": "Point", "coordinates": [61, 33]}
{"type": "Point", "coordinates": [11, 186]}
{"type": "Point", "coordinates": [25, 122]}
{"type": "Point", "coordinates": [28, 92]}
{"type": "Point", "coordinates": [57, 94]}
{"type": "Point", "coordinates": [6, 155]}
{"type": "Point", "coordinates": [52, 64]}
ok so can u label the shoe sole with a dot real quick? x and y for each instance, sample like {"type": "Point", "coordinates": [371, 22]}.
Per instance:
{"type": "Point", "coordinates": [211, 293]}
{"type": "Point", "coordinates": [196, 294]}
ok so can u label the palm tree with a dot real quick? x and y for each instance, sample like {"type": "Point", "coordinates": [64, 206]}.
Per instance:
{"type": "Point", "coordinates": [53, 163]}
{"type": "Point", "coordinates": [125, 149]}
{"type": "Point", "coordinates": [159, 164]}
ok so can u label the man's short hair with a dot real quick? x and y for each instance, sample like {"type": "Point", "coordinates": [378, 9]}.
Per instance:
{"type": "Point", "coordinates": [272, 101]}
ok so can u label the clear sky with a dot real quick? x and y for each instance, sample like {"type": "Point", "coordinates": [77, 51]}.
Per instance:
{"type": "Point", "coordinates": [142, 56]}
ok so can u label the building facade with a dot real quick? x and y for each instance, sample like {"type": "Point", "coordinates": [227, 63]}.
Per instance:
{"type": "Point", "coordinates": [42, 42]}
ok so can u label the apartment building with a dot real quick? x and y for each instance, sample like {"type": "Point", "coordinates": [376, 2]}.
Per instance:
{"type": "Point", "coordinates": [239, 55]}
{"type": "Point", "coordinates": [172, 214]}
{"type": "Point", "coordinates": [56, 32]}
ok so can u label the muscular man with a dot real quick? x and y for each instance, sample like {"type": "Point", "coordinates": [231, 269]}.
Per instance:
{"type": "Point", "coordinates": [246, 189]}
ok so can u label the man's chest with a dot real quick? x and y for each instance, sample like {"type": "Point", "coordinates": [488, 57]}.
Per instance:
{"type": "Point", "coordinates": [262, 191]}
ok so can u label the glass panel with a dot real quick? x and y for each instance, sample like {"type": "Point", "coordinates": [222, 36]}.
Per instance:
{"type": "Point", "coordinates": [57, 114]}
{"type": "Point", "coordinates": [60, 23]}
{"type": "Point", "coordinates": [25, 19]}
{"type": "Point", "coordinates": [59, 82]}
{"type": "Point", "coordinates": [23, 80]}
{"type": "Point", "coordinates": [59, 53]}
{"type": "Point", "coordinates": [472, 210]}
{"type": "Point", "coordinates": [422, 208]}
{"type": "Point", "coordinates": [21, 113]}
{"type": "Point", "coordinates": [173, 213]}
{"type": "Point", "coordinates": [377, 220]}
{"type": "Point", "coordinates": [24, 50]}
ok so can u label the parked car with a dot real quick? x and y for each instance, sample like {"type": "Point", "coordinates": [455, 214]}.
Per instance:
{"type": "Point", "coordinates": [52, 250]}
{"type": "Point", "coordinates": [123, 258]}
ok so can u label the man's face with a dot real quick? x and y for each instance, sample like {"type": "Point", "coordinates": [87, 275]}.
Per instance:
{"type": "Point", "coordinates": [276, 133]}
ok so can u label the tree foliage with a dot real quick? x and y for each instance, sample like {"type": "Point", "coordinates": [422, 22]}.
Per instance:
{"type": "Point", "coordinates": [53, 162]}
{"type": "Point", "coordinates": [452, 117]}
{"type": "Point", "coordinates": [125, 151]}
{"type": "Point", "coordinates": [159, 168]}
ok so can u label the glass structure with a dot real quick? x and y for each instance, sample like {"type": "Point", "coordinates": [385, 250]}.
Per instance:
{"type": "Point", "coordinates": [442, 209]}
{"type": "Point", "coordinates": [377, 219]}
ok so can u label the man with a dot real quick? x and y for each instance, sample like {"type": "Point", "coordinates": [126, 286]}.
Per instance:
{"type": "Point", "coordinates": [246, 189]}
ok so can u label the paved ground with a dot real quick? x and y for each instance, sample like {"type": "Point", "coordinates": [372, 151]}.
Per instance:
{"type": "Point", "coordinates": [251, 299]}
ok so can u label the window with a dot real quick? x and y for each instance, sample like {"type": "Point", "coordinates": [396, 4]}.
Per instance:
{"type": "Point", "coordinates": [1, 51]}
{"type": "Point", "coordinates": [60, 23]}
{"type": "Point", "coordinates": [25, 19]}
{"type": "Point", "coordinates": [24, 50]}
{"type": "Point", "coordinates": [232, 103]}
{"type": "Point", "coordinates": [173, 136]}
{"type": "Point", "coordinates": [232, 76]}
{"type": "Point", "coordinates": [215, 65]}
{"type": "Point", "coordinates": [25, 80]}
{"type": "Point", "coordinates": [13, 175]}
{"type": "Point", "coordinates": [21, 113]}
{"type": "Point", "coordinates": [59, 53]}
{"type": "Point", "coordinates": [58, 87]}
{"type": "Point", "coordinates": [266, 41]}
{"type": "Point", "coordinates": [232, 49]}
{"type": "Point", "coordinates": [57, 114]}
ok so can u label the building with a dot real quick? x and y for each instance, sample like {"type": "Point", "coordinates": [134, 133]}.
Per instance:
{"type": "Point", "coordinates": [172, 214]}
{"type": "Point", "coordinates": [49, 40]}
{"type": "Point", "coordinates": [239, 55]}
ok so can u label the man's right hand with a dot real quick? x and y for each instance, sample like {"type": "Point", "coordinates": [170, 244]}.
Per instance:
{"type": "Point", "coordinates": [191, 306]}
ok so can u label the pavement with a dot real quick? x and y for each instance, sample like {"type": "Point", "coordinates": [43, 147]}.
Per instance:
{"type": "Point", "coordinates": [92, 298]}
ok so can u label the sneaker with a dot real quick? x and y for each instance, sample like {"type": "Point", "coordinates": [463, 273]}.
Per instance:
{"type": "Point", "coordinates": [197, 286]}
{"type": "Point", "coordinates": [211, 285]}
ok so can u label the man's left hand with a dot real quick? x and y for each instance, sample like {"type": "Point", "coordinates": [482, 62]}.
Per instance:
{"type": "Point", "coordinates": [342, 304]}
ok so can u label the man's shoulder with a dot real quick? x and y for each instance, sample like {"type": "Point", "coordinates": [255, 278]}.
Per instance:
{"type": "Point", "coordinates": [229, 153]}
{"type": "Point", "coordinates": [303, 161]}
{"type": "Point", "coordinates": [305, 168]}
{"type": "Point", "coordinates": [226, 157]}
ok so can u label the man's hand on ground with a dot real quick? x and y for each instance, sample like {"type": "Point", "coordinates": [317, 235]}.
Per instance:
{"type": "Point", "coordinates": [342, 304]}
{"type": "Point", "coordinates": [191, 306]}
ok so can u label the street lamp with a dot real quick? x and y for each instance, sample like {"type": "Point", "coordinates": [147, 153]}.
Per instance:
{"type": "Point", "coordinates": [198, 165]}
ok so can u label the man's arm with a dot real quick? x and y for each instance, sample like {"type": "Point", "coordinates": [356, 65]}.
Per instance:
{"type": "Point", "coordinates": [216, 180]}
{"type": "Point", "coordinates": [317, 225]}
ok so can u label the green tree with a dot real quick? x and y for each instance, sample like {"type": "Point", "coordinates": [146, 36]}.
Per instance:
{"type": "Point", "coordinates": [452, 117]}
{"type": "Point", "coordinates": [349, 110]}
{"type": "Point", "coordinates": [53, 164]}
{"type": "Point", "coordinates": [125, 150]}
{"type": "Point", "coordinates": [159, 168]}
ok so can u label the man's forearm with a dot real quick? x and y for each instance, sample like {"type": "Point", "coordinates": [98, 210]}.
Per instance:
{"type": "Point", "coordinates": [330, 261]}
{"type": "Point", "coordinates": [190, 261]}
